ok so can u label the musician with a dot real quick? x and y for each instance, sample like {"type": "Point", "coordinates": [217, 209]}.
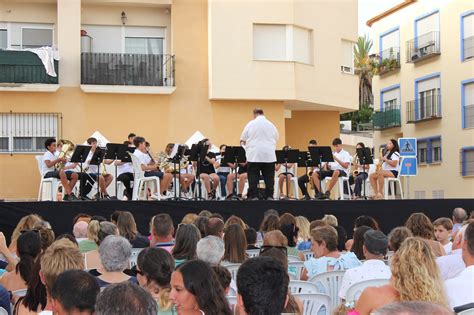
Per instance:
{"type": "Point", "coordinates": [336, 169]}
{"type": "Point", "coordinates": [304, 179]}
{"type": "Point", "coordinates": [360, 174]}
{"type": "Point", "coordinates": [207, 171]}
{"type": "Point", "coordinates": [125, 174]}
{"type": "Point", "coordinates": [285, 174]}
{"type": "Point", "coordinates": [390, 161]}
{"type": "Point", "coordinates": [104, 179]}
{"type": "Point", "coordinates": [150, 167]}
{"type": "Point", "coordinates": [222, 169]}
{"type": "Point", "coordinates": [131, 137]}
{"type": "Point", "coordinates": [50, 160]}
{"type": "Point", "coordinates": [166, 165]}
{"type": "Point", "coordinates": [242, 177]}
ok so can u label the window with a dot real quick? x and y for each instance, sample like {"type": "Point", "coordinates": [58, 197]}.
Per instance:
{"type": "Point", "coordinates": [429, 150]}
{"type": "Point", "coordinates": [390, 104]}
{"type": "Point", "coordinates": [420, 194]}
{"type": "Point", "coordinates": [3, 39]}
{"type": "Point", "coordinates": [390, 97]}
{"type": "Point", "coordinates": [467, 161]}
{"type": "Point", "coordinates": [467, 35]}
{"type": "Point", "coordinates": [36, 37]}
{"type": "Point", "coordinates": [425, 26]}
{"type": "Point", "coordinates": [281, 42]}
{"type": "Point", "coordinates": [467, 100]}
{"type": "Point", "coordinates": [390, 45]}
{"type": "Point", "coordinates": [438, 194]}
{"type": "Point", "coordinates": [144, 45]}
{"type": "Point", "coordinates": [347, 56]}
{"type": "Point", "coordinates": [428, 95]}
{"type": "Point", "coordinates": [24, 132]}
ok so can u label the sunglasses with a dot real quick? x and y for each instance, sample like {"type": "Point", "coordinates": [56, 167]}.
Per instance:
{"type": "Point", "coordinates": [263, 249]}
{"type": "Point", "coordinates": [24, 231]}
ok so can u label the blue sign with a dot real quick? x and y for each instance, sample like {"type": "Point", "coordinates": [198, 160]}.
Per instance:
{"type": "Point", "coordinates": [407, 146]}
{"type": "Point", "coordinates": [409, 166]}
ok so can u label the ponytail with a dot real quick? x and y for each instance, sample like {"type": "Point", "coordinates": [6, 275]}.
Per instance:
{"type": "Point", "coordinates": [25, 267]}
{"type": "Point", "coordinates": [29, 245]}
{"type": "Point", "coordinates": [93, 231]}
{"type": "Point", "coordinates": [164, 301]}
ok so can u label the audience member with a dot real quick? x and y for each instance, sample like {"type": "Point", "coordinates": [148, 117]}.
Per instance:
{"type": "Point", "coordinates": [9, 260]}
{"type": "Point", "coordinates": [125, 298]}
{"type": "Point", "coordinates": [114, 216]}
{"type": "Point", "coordinates": [290, 231]}
{"type": "Point", "coordinates": [397, 236]}
{"type": "Point", "coordinates": [153, 269]}
{"type": "Point", "coordinates": [115, 252]}
{"type": "Point", "coordinates": [201, 224]}
{"type": "Point", "coordinates": [80, 231]}
{"type": "Point", "coordinates": [443, 228]}
{"type": "Point", "coordinates": [460, 290]}
{"type": "Point", "coordinates": [275, 239]}
{"type": "Point", "coordinates": [68, 237]}
{"type": "Point", "coordinates": [46, 233]}
{"type": "Point", "coordinates": [26, 223]}
{"type": "Point", "coordinates": [189, 218]}
{"type": "Point", "coordinates": [235, 244]}
{"type": "Point", "coordinates": [128, 228]}
{"type": "Point", "coordinates": [5, 299]}
{"type": "Point", "coordinates": [412, 308]}
{"type": "Point", "coordinates": [330, 219]}
{"type": "Point", "coordinates": [366, 220]}
{"type": "Point", "coordinates": [251, 237]}
{"type": "Point", "coordinates": [74, 292]}
{"type": "Point", "coordinates": [92, 236]}
{"type": "Point", "coordinates": [270, 223]}
{"type": "Point", "coordinates": [98, 218]}
{"type": "Point", "coordinates": [205, 213]}
{"type": "Point", "coordinates": [415, 277]}
{"type": "Point", "coordinates": [341, 238]}
{"type": "Point", "coordinates": [420, 225]}
{"type": "Point", "coordinates": [162, 232]}
{"type": "Point", "coordinates": [211, 250]}
{"type": "Point", "coordinates": [224, 277]}
{"type": "Point", "coordinates": [374, 248]}
{"type": "Point", "coordinates": [452, 265]}
{"type": "Point", "coordinates": [101, 230]}
{"type": "Point", "coordinates": [287, 218]}
{"type": "Point", "coordinates": [233, 219]}
{"type": "Point", "coordinates": [358, 244]}
{"type": "Point", "coordinates": [304, 237]}
{"type": "Point", "coordinates": [187, 237]}
{"type": "Point", "coordinates": [81, 217]}
{"type": "Point", "coordinates": [459, 216]}
{"type": "Point", "coordinates": [195, 290]}
{"type": "Point", "coordinates": [316, 223]}
{"type": "Point", "coordinates": [215, 227]}
{"type": "Point", "coordinates": [262, 284]}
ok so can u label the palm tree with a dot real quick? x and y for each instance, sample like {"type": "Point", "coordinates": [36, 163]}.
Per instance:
{"type": "Point", "coordinates": [364, 65]}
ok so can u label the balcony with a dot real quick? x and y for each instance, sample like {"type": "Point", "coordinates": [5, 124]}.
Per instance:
{"type": "Point", "coordinates": [423, 47]}
{"type": "Point", "coordinates": [24, 71]}
{"type": "Point", "coordinates": [388, 117]}
{"type": "Point", "coordinates": [127, 73]}
{"type": "Point", "coordinates": [468, 44]}
{"type": "Point", "coordinates": [389, 60]}
{"type": "Point", "coordinates": [423, 109]}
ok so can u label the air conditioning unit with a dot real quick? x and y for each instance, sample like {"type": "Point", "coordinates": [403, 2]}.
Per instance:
{"type": "Point", "coordinates": [416, 55]}
{"type": "Point", "coordinates": [346, 69]}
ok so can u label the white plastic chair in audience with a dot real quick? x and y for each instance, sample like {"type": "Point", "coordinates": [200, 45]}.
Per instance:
{"type": "Point", "coordinates": [296, 286]}
{"type": "Point", "coordinates": [20, 293]}
{"type": "Point", "coordinates": [232, 302]}
{"type": "Point", "coordinates": [391, 181]}
{"type": "Point", "coordinates": [314, 302]}
{"type": "Point", "coordinates": [142, 183]}
{"type": "Point", "coordinates": [52, 184]}
{"type": "Point", "coordinates": [292, 258]}
{"type": "Point", "coordinates": [467, 312]}
{"type": "Point", "coordinates": [3, 311]}
{"type": "Point", "coordinates": [329, 283]}
{"type": "Point", "coordinates": [307, 254]}
{"type": "Point", "coordinates": [355, 290]}
{"type": "Point", "coordinates": [252, 253]}
{"type": "Point", "coordinates": [233, 268]}
{"type": "Point", "coordinates": [134, 256]}
{"type": "Point", "coordinates": [299, 265]}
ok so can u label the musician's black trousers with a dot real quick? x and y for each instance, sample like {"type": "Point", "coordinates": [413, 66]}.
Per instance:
{"type": "Point", "coordinates": [268, 173]}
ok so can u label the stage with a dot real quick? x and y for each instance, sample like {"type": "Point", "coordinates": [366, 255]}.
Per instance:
{"type": "Point", "coordinates": [389, 213]}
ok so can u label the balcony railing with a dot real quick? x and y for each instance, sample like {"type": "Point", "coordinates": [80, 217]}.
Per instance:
{"type": "Point", "coordinates": [425, 108]}
{"type": "Point", "coordinates": [127, 69]}
{"type": "Point", "coordinates": [468, 47]}
{"type": "Point", "coordinates": [389, 60]}
{"type": "Point", "coordinates": [24, 67]}
{"type": "Point", "coordinates": [388, 117]}
{"type": "Point", "coordinates": [423, 47]}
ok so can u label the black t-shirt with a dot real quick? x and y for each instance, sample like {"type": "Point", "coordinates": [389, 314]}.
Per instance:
{"type": "Point", "coordinates": [206, 167]}
{"type": "Point", "coordinates": [140, 242]}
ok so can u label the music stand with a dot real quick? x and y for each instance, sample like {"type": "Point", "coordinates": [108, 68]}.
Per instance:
{"type": "Point", "coordinates": [176, 156]}
{"type": "Point", "coordinates": [285, 157]}
{"type": "Point", "coordinates": [365, 158]}
{"type": "Point", "coordinates": [320, 155]}
{"type": "Point", "coordinates": [196, 154]}
{"type": "Point", "coordinates": [96, 159]}
{"type": "Point", "coordinates": [80, 156]}
{"type": "Point", "coordinates": [234, 155]}
{"type": "Point", "coordinates": [113, 153]}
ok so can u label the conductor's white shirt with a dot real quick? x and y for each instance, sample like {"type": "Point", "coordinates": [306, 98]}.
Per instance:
{"type": "Point", "coordinates": [260, 137]}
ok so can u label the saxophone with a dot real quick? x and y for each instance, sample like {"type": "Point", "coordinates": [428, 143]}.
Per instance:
{"type": "Point", "coordinates": [378, 167]}
{"type": "Point", "coordinates": [355, 172]}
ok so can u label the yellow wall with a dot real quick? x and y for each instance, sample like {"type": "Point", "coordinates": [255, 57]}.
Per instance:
{"type": "Point", "coordinates": [446, 175]}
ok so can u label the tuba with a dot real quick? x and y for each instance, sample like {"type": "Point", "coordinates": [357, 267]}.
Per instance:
{"type": "Point", "coordinates": [66, 152]}
{"type": "Point", "coordinates": [164, 163]}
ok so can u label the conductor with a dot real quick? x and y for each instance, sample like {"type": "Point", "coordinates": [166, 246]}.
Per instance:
{"type": "Point", "coordinates": [259, 139]}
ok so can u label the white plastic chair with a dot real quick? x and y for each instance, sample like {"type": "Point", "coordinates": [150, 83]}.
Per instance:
{"type": "Point", "coordinates": [296, 286]}
{"type": "Point", "coordinates": [252, 253]}
{"type": "Point", "coordinates": [390, 181]}
{"type": "Point", "coordinates": [51, 183]}
{"type": "Point", "coordinates": [355, 290]}
{"type": "Point", "coordinates": [232, 302]}
{"type": "Point", "coordinates": [3, 311]}
{"type": "Point", "coordinates": [134, 256]}
{"type": "Point", "coordinates": [341, 181]}
{"type": "Point", "coordinates": [292, 258]}
{"type": "Point", "coordinates": [329, 283]}
{"type": "Point", "coordinates": [467, 312]}
{"type": "Point", "coordinates": [299, 265]}
{"type": "Point", "coordinates": [233, 268]}
{"type": "Point", "coordinates": [142, 183]}
{"type": "Point", "coordinates": [307, 254]}
{"type": "Point", "coordinates": [292, 184]}
{"type": "Point", "coordinates": [20, 293]}
{"type": "Point", "coordinates": [314, 302]}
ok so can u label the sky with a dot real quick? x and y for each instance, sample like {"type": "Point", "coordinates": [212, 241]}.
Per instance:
{"type": "Point", "coordinates": [370, 8]}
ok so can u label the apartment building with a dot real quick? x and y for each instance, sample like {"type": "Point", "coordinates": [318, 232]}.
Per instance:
{"type": "Point", "coordinates": [425, 90]}
{"type": "Point", "coordinates": [165, 69]}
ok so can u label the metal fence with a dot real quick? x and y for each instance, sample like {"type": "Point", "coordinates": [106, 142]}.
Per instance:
{"type": "Point", "coordinates": [127, 69]}
{"type": "Point", "coordinates": [389, 117]}
{"type": "Point", "coordinates": [424, 108]}
{"type": "Point", "coordinates": [389, 60]}
{"type": "Point", "coordinates": [423, 46]}
{"type": "Point", "coordinates": [24, 67]}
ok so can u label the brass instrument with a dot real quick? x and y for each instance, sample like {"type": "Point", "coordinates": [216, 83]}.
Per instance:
{"type": "Point", "coordinates": [66, 152]}
{"type": "Point", "coordinates": [355, 172]}
{"type": "Point", "coordinates": [378, 167]}
{"type": "Point", "coordinates": [309, 173]}
{"type": "Point", "coordinates": [165, 164]}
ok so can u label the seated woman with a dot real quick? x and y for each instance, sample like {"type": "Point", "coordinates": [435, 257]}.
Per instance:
{"type": "Point", "coordinates": [26, 223]}
{"type": "Point", "coordinates": [168, 166]}
{"type": "Point", "coordinates": [286, 174]}
{"type": "Point", "coordinates": [327, 256]}
{"type": "Point", "coordinates": [207, 171]}
{"type": "Point", "coordinates": [154, 268]}
{"type": "Point", "coordinates": [291, 233]}
{"type": "Point", "coordinates": [415, 277]}
{"type": "Point", "coordinates": [102, 230]}
{"type": "Point", "coordinates": [420, 225]}
{"type": "Point", "coordinates": [186, 238]}
{"type": "Point", "coordinates": [128, 228]}
{"type": "Point", "coordinates": [28, 247]}
{"type": "Point", "coordinates": [195, 290]}
{"type": "Point", "coordinates": [389, 168]}
{"type": "Point", "coordinates": [304, 237]}
{"type": "Point", "coordinates": [242, 178]}
{"type": "Point", "coordinates": [115, 252]}
{"type": "Point", "coordinates": [235, 245]}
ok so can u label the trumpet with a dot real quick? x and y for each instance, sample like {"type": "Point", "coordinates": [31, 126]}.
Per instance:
{"type": "Point", "coordinates": [66, 152]}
